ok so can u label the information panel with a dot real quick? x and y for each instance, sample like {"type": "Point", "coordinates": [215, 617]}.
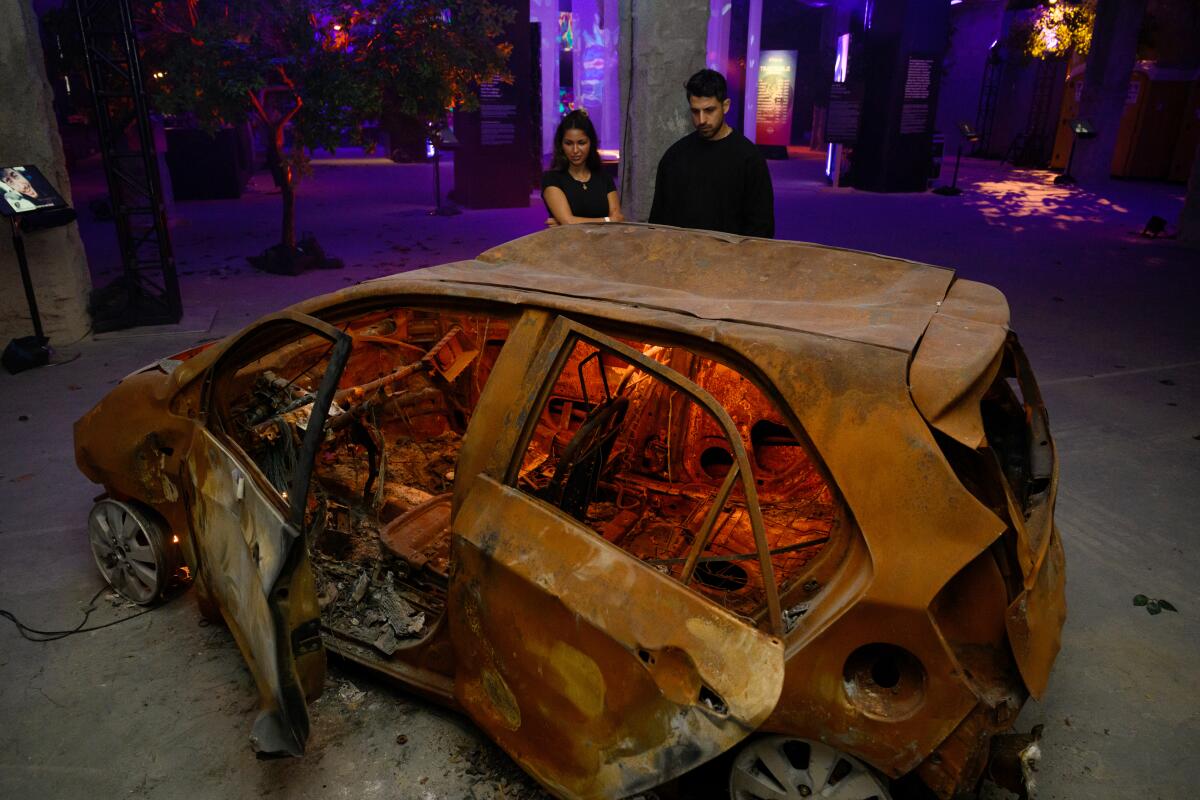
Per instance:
{"type": "Point", "coordinates": [845, 111]}
{"type": "Point", "coordinates": [918, 87]}
{"type": "Point", "coordinates": [497, 113]}
{"type": "Point", "coordinates": [776, 86]}
{"type": "Point", "coordinates": [495, 164]}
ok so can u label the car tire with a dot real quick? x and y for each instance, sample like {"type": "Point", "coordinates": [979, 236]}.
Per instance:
{"type": "Point", "coordinates": [132, 549]}
{"type": "Point", "coordinates": [783, 766]}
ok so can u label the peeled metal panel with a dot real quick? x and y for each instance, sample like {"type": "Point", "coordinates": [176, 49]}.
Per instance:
{"type": "Point", "coordinates": [958, 359]}
{"type": "Point", "coordinates": [1036, 617]}
{"type": "Point", "coordinates": [599, 675]}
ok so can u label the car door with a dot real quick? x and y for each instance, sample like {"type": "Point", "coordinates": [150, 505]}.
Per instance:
{"type": "Point", "coordinates": [250, 545]}
{"type": "Point", "coordinates": [599, 674]}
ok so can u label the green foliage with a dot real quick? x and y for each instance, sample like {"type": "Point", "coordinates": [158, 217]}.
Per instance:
{"type": "Point", "coordinates": [432, 55]}
{"type": "Point", "coordinates": [320, 68]}
{"type": "Point", "coordinates": [1060, 29]}
{"type": "Point", "coordinates": [324, 66]}
{"type": "Point", "coordinates": [208, 82]}
{"type": "Point", "coordinates": [1153, 605]}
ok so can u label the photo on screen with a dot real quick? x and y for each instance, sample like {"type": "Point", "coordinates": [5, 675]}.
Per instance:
{"type": "Point", "coordinates": [26, 190]}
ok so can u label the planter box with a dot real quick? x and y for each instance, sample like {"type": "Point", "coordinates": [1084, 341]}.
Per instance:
{"type": "Point", "coordinates": [205, 167]}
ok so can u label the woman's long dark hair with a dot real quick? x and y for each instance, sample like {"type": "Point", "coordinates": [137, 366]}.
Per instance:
{"type": "Point", "coordinates": [576, 120]}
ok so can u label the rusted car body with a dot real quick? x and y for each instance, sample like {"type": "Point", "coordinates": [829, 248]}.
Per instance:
{"type": "Point", "coordinates": [624, 495]}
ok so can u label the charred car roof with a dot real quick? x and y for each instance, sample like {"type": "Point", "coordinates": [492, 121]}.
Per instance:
{"type": "Point", "coordinates": [665, 276]}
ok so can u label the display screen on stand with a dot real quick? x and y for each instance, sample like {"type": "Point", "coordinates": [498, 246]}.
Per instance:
{"type": "Point", "coordinates": [26, 190]}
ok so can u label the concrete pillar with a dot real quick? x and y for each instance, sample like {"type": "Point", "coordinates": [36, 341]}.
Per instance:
{"type": "Point", "coordinates": [900, 68]}
{"type": "Point", "coordinates": [661, 45]}
{"type": "Point", "coordinates": [1105, 85]}
{"type": "Point", "coordinates": [29, 135]}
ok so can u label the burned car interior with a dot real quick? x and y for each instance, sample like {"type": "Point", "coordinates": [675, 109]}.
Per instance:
{"type": "Point", "coordinates": [619, 449]}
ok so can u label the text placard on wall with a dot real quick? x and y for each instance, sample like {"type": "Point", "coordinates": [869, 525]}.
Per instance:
{"type": "Point", "coordinates": [776, 87]}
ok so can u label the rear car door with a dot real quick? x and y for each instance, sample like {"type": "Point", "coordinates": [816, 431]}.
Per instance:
{"type": "Point", "coordinates": [249, 531]}
{"type": "Point", "coordinates": [601, 675]}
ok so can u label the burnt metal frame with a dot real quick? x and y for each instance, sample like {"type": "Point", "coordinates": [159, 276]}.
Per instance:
{"type": "Point", "coordinates": [151, 286]}
{"type": "Point", "coordinates": [551, 359]}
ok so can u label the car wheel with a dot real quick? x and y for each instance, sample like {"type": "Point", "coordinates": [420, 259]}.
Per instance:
{"type": "Point", "coordinates": [782, 768]}
{"type": "Point", "coordinates": [131, 549]}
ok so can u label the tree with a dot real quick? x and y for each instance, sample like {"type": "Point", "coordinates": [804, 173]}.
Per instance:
{"type": "Point", "coordinates": [312, 72]}
{"type": "Point", "coordinates": [1060, 29]}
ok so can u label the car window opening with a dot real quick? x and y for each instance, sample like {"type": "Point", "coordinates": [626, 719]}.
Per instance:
{"type": "Point", "coordinates": [641, 463]}
{"type": "Point", "coordinates": [378, 516]}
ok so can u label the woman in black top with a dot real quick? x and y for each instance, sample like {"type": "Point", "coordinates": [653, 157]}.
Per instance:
{"type": "Point", "coordinates": [576, 189]}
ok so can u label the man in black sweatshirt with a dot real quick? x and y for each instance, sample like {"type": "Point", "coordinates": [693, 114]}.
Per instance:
{"type": "Point", "coordinates": [714, 178]}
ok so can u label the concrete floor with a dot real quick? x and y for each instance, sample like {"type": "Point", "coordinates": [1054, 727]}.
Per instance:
{"type": "Point", "coordinates": [161, 706]}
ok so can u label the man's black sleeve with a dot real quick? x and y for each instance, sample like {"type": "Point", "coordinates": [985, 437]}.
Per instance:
{"type": "Point", "coordinates": [659, 209]}
{"type": "Point", "coordinates": [759, 214]}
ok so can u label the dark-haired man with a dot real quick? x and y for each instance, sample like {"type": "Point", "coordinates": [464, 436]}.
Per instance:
{"type": "Point", "coordinates": [714, 178]}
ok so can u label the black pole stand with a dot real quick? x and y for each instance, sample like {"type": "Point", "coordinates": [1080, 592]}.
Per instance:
{"type": "Point", "coordinates": [439, 210]}
{"type": "Point", "coordinates": [952, 190]}
{"type": "Point", "coordinates": [23, 263]}
{"type": "Point", "coordinates": [1066, 178]}
{"type": "Point", "coordinates": [27, 351]}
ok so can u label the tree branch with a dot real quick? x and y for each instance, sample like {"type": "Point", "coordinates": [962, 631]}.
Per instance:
{"type": "Point", "coordinates": [258, 107]}
{"type": "Point", "coordinates": [287, 81]}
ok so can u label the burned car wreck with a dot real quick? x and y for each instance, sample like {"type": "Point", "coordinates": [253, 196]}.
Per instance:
{"type": "Point", "coordinates": [629, 497]}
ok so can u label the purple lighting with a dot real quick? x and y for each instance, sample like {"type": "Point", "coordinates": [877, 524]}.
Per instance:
{"type": "Point", "coordinates": [842, 61]}
{"type": "Point", "coordinates": [841, 66]}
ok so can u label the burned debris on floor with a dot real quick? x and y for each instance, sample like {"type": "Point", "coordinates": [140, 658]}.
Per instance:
{"type": "Point", "coordinates": [370, 595]}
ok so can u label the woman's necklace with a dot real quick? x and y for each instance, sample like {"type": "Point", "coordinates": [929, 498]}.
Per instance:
{"type": "Point", "coordinates": [582, 181]}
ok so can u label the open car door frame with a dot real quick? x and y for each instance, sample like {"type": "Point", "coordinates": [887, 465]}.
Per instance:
{"type": "Point", "coordinates": [600, 675]}
{"type": "Point", "coordinates": [253, 557]}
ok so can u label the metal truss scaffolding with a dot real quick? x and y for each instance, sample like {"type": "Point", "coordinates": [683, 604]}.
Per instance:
{"type": "Point", "coordinates": [148, 291]}
{"type": "Point", "coordinates": [989, 92]}
{"type": "Point", "coordinates": [1040, 126]}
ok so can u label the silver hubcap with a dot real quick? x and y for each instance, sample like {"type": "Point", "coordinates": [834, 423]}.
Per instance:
{"type": "Point", "coordinates": [782, 768]}
{"type": "Point", "coordinates": [126, 546]}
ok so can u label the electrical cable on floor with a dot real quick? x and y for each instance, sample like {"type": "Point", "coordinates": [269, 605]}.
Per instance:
{"type": "Point", "coordinates": [52, 636]}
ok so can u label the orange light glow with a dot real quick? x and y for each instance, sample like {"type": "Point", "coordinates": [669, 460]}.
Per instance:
{"type": "Point", "coordinates": [175, 539]}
